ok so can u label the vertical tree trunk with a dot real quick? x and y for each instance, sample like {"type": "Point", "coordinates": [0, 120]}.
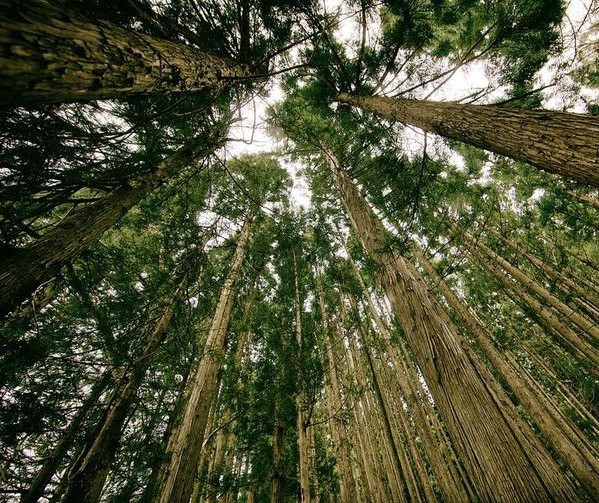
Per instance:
{"type": "Point", "coordinates": [562, 143]}
{"type": "Point", "coordinates": [178, 485]}
{"type": "Point", "coordinates": [276, 486]}
{"type": "Point", "coordinates": [24, 271]}
{"type": "Point", "coordinates": [87, 481]}
{"type": "Point", "coordinates": [52, 462]}
{"type": "Point", "coordinates": [587, 326]}
{"type": "Point", "coordinates": [334, 402]}
{"type": "Point", "coordinates": [300, 399]}
{"type": "Point", "coordinates": [52, 55]}
{"type": "Point", "coordinates": [503, 464]}
{"type": "Point", "coordinates": [453, 484]}
{"type": "Point", "coordinates": [566, 442]}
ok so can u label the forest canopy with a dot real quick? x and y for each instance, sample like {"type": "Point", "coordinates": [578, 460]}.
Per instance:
{"type": "Point", "coordinates": [283, 250]}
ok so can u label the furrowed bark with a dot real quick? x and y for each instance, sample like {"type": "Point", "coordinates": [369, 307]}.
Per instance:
{"type": "Point", "coordinates": [179, 481]}
{"type": "Point", "coordinates": [52, 55]}
{"type": "Point", "coordinates": [503, 463]}
{"type": "Point", "coordinates": [29, 267]}
{"type": "Point", "coordinates": [566, 144]}
{"type": "Point", "coordinates": [563, 438]}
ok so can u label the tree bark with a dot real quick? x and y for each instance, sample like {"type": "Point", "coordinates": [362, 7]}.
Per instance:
{"type": "Point", "coordinates": [502, 464]}
{"type": "Point", "coordinates": [178, 485]}
{"type": "Point", "coordinates": [28, 268]}
{"type": "Point", "coordinates": [563, 438]}
{"type": "Point", "coordinates": [52, 55]}
{"type": "Point", "coordinates": [87, 481]}
{"type": "Point", "coordinates": [334, 399]}
{"type": "Point", "coordinates": [562, 143]}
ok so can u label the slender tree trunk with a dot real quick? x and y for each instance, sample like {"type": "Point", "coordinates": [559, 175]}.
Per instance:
{"type": "Point", "coordinates": [276, 486]}
{"type": "Point", "coordinates": [566, 442]}
{"type": "Point", "coordinates": [300, 399]}
{"type": "Point", "coordinates": [334, 402]}
{"type": "Point", "coordinates": [178, 485]}
{"type": "Point", "coordinates": [52, 462]}
{"type": "Point", "coordinates": [87, 481]}
{"type": "Point", "coordinates": [52, 55]}
{"type": "Point", "coordinates": [503, 463]}
{"type": "Point", "coordinates": [24, 271]}
{"type": "Point", "coordinates": [546, 268]}
{"type": "Point", "coordinates": [559, 142]}
{"type": "Point", "coordinates": [157, 475]}
{"type": "Point", "coordinates": [587, 326]}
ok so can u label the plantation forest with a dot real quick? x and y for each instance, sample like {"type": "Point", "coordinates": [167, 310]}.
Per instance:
{"type": "Point", "coordinates": [313, 251]}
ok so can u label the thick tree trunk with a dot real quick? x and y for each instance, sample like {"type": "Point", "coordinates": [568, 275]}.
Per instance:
{"type": "Point", "coordinates": [52, 55]}
{"type": "Point", "coordinates": [440, 454]}
{"type": "Point", "coordinates": [87, 481]}
{"type": "Point", "coordinates": [502, 463]}
{"type": "Point", "coordinates": [52, 462]}
{"type": "Point", "coordinates": [178, 485]}
{"type": "Point", "coordinates": [24, 271]}
{"type": "Point", "coordinates": [562, 143]}
{"type": "Point", "coordinates": [563, 438]}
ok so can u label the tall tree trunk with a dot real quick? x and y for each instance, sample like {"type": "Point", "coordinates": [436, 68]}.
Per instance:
{"type": "Point", "coordinates": [24, 271]}
{"type": "Point", "coordinates": [562, 143]}
{"type": "Point", "coordinates": [276, 485]}
{"type": "Point", "coordinates": [503, 463]}
{"type": "Point", "coordinates": [441, 456]}
{"type": "Point", "coordinates": [52, 55]}
{"type": "Point", "coordinates": [335, 409]}
{"type": "Point", "coordinates": [300, 399]}
{"type": "Point", "coordinates": [178, 485]}
{"type": "Point", "coordinates": [87, 481]}
{"type": "Point", "coordinates": [566, 442]}
{"type": "Point", "coordinates": [52, 462]}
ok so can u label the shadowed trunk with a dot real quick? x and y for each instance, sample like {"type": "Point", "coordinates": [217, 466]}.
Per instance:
{"type": "Point", "coordinates": [28, 268]}
{"type": "Point", "coordinates": [52, 55]}
{"type": "Point", "coordinates": [562, 143]}
{"type": "Point", "coordinates": [52, 462]}
{"type": "Point", "coordinates": [87, 481]}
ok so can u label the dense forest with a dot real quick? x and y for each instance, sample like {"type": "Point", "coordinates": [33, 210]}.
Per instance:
{"type": "Point", "coordinates": [299, 250]}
